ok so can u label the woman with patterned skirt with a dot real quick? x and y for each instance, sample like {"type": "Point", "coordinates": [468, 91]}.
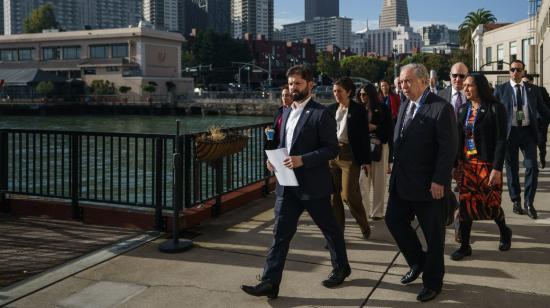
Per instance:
{"type": "Point", "coordinates": [482, 137]}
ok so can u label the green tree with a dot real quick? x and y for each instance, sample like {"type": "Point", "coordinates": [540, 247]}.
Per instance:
{"type": "Point", "coordinates": [102, 87]}
{"type": "Point", "coordinates": [470, 23]}
{"type": "Point", "coordinates": [370, 68]}
{"type": "Point", "coordinates": [45, 88]}
{"type": "Point", "coordinates": [431, 61]}
{"type": "Point", "coordinates": [124, 89]}
{"type": "Point", "coordinates": [326, 65]}
{"type": "Point", "coordinates": [41, 18]}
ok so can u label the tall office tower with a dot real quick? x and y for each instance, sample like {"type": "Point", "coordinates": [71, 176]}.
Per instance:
{"type": "Point", "coordinates": [205, 14]}
{"type": "Point", "coordinates": [67, 14]}
{"type": "Point", "coordinates": [252, 16]}
{"type": "Point", "coordinates": [102, 14]}
{"type": "Point", "coordinates": [394, 13]}
{"type": "Point", "coordinates": [162, 14]}
{"type": "Point", "coordinates": [321, 31]}
{"type": "Point", "coordinates": [321, 8]}
{"type": "Point", "coordinates": [1, 17]}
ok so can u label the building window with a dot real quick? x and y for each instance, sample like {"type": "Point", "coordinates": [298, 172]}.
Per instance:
{"type": "Point", "coordinates": [71, 53]}
{"type": "Point", "coordinates": [112, 69]}
{"type": "Point", "coordinates": [513, 51]}
{"type": "Point", "coordinates": [25, 54]}
{"type": "Point", "coordinates": [8, 55]}
{"type": "Point", "coordinates": [525, 49]}
{"type": "Point", "coordinates": [120, 51]}
{"type": "Point", "coordinates": [89, 71]}
{"type": "Point", "coordinates": [488, 55]}
{"type": "Point", "coordinates": [50, 53]}
{"type": "Point", "coordinates": [99, 52]}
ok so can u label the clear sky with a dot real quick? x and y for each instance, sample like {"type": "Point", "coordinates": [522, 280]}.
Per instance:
{"type": "Point", "coordinates": [421, 12]}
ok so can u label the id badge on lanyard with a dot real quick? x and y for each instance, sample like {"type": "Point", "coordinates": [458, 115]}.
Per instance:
{"type": "Point", "coordinates": [520, 115]}
{"type": "Point", "coordinates": [469, 128]}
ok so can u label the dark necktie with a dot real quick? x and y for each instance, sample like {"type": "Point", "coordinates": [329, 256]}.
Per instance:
{"type": "Point", "coordinates": [519, 101]}
{"type": "Point", "coordinates": [408, 117]}
{"type": "Point", "coordinates": [458, 102]}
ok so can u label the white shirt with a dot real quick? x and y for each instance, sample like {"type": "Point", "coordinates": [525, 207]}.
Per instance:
{"type": "Point", "coordinates": [525, 121]}
{"type": "Point", "coordinates": [295, 113]}
{"type": "Point", "coordinates": [454, 97]}
{"type": "Point", "coordinates": [342, 124]}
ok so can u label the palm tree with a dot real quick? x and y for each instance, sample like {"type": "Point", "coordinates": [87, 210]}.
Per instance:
{"type": "Point", "coordinates": [470, 23]}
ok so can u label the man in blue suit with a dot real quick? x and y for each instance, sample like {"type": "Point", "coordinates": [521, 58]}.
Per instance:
{"type": "Point", "coordinates": [523, 105]}
{"type": "Point", "coordinates": [308, 133]}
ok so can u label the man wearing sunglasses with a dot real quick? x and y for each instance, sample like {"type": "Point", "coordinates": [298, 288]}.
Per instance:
{"type": "Point", "coordinates": [454, 93]}
{"type": "Point", "coordinates": [523, 104]}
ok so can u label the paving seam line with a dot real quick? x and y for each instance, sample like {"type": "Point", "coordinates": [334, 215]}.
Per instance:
{"type": "Point", "coordinates": [45, 279]}
{"type": "Point", "coordinates": [383, 275]}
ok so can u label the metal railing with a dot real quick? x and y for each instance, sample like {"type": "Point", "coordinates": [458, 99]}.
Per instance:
{"type": "Point", "coordinates": [128, 169]}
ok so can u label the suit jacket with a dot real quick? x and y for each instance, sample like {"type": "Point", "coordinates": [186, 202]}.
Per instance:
{"type": "Point", "coordinates": [446, 94]}
{"type": "Point", "coordinates": [546, 100]}
{"type": "Point", "coordinates": [315, 140]}
{"type": "Point", "coordinates": [426, 150]}
{"type": "Point", "coordinates": [358, 131]}
{"type": "Point", "coordinates": [489, 132]}
{"type": "Point", "coordinates": [505, 94]}
{"type": "Point", "coordinates": [395, 102]}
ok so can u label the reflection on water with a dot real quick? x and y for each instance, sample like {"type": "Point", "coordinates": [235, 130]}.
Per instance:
{"type": "Point", "coordinates": [128, 123]}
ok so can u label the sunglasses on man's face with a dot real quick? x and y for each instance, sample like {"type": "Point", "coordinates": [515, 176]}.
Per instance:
{"type": "Point", "coordinates": [455, 76]}
{"type": "Point", "coordinates": [516, 69]}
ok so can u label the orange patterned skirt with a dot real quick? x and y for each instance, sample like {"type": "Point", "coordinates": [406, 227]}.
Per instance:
{"type": "Point", "coordinates": [478, 200]}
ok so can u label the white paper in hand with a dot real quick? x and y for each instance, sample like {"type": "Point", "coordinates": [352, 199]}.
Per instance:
{"type": "Point", "coordinates": [285, 176]}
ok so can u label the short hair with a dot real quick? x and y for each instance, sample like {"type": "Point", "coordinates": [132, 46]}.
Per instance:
{"type": "Point", "coordinates": [347, 84]}
{"type": "Point", "coordinates": [418, 69]}
{"type": "Point", "coordinates": [483, 87]}
{"type": "Point", "coordinates": [529, 77]}
{"type": "Point", "coordinates": [518, 61]}
{"type": "Point", "coordinates": [285, 87]}
{"type": "Point", "coordinates": [301, 70]}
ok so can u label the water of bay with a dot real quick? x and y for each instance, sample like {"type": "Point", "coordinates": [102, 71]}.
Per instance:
{"type": "Point", "coordinates": [129, 123]}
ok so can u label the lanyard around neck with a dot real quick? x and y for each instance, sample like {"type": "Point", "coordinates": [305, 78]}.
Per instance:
{"type": "Point", "coordinates": [466, 122]}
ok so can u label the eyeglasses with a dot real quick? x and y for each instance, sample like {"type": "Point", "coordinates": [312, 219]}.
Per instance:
{"type": "Point", "coordinates": [455, 76]}
{"type": "Point", "coordinates": [286, 95]}
{"type": "Point", "coordinates": [516, 69]}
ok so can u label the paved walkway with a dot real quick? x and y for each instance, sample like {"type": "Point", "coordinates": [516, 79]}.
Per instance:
{"type": "Point", "coordinates": [230, 251]}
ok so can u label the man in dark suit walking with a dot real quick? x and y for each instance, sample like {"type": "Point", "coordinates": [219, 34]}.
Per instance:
{"type": "Point", "coordinates": [308, 133]}
{"type": "Point", "coordinates": [523, 105]}
{"type": "Point", "coordinates": [543, 122]}
{"type": "Point", "coordinates": [425, 146]}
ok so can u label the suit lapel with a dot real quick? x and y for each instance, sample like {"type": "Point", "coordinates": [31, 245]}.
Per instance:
{"type": "Point", "coordinates": [483, 109]}
{"type": "Point", "coordinates": [282, 137]}
{"type": "Point", "coordinates": [301, 121]}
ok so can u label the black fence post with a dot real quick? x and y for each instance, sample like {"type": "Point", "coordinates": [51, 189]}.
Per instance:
{"type": "Point", "coordinates": [159, 184]}
{"type": "Point", "coordinates": [3, 167]}
{"type": "Point", "coordinates": [218, 168]}
{"type": "Point", "coordinates": [75, 176]}
{"type": "Point", "coordinates": [188, 178]}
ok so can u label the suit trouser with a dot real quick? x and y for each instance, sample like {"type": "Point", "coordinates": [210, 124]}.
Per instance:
{"type": "Point", "coordinates": [376, 178]}
{"type": "Point", "coordinates": [287, 212]}
{"type": "Point", "coordinates": [521, 138]}
{"type": "Point", "coordinates": [431, 217]}
{"type": "Point", "coordinates": [345, 175]}
{"type": "Point", "coordinates": [543, 134]}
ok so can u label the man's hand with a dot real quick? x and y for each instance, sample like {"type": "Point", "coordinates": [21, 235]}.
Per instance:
{"type": "Point", "coordinates": [269, 166]}
{"type": "Point", "coordinates": [366, 169]}
{"type": "Point", "coordinates": [495, 178]}
{"type": "Point", "coordinates": [293, 162]}
{"type": "Point", "coordinates": [437, 191]}
{"type": "Point", "coordinates": [388, 171]}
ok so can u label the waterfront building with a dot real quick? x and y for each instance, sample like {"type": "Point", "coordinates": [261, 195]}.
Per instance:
{"type": "Point", "coordinates": [74, 15]}
{"type": "Point", "coordinates": [321, 8]}
{"type": "Point", "coordinates": [322, 31]}
{"type": "Point", "coordinates": [252, 16]}
{"type": "Point", "coordinates": [133, 57]}
{"type": "Point", "coordinates": [443, 48]}
{"type": "Point", "coordinates": [394, 13]}
{"type": "Point", "coordinates": [382, 42]}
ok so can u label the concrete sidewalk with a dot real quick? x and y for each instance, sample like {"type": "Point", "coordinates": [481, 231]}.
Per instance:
{"type": "Point", "coordinates": [230, 251]}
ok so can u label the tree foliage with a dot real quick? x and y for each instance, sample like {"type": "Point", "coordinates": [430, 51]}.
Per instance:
{"type": "Point", "coordinates": [45, 88]}
{"type": "Point", "coordinates": [124, 89]}
{"type": "Point", "coordinates": [370, 68]}
{"type": "Point", "coordinates": [41, 18]}
{"type": "Point", "coordinates": [437, 62]}
{"type": "Point", "coordinates": [470, 23]}
{"type": "Point", "coordinates": [102, 87]}
{"type": "Point", "coordinates": [328, 66]}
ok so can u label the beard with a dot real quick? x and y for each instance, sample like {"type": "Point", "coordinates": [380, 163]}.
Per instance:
{"type": "Point", "coordinates": [300, 95]}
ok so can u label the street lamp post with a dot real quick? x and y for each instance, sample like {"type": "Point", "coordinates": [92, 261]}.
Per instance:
{"type": "Point", "coordinates": [394, 63]}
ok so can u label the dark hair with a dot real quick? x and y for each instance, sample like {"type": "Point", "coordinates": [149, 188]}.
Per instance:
{"type": "Point", "coordinates": [390, 91]}
{"type": "Point", "coordinates": [347, 84]}
{"type": "Point", "coordinates": [518, 61]}
{"type": "Point", "coordinates": [483, 88]}
{"type": "Point", "coordinates": [301, 70]}
{"type": "Point", "coordinates": [529, 77]}
{"type": "Point", "coordinates": [285, 87]}
{"type": "Point", "coordinates": [370, 89]}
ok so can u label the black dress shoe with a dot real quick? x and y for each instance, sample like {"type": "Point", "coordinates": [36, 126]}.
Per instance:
{"type": "Point", "coordinates": [336, 277]}
{"type": "Point", "coordinates": [531, 212]}
{"type": "Point", "coordinates": [505, 240]}
{"type": "Point", "coordinates": [412, 274]}
{"type": "Point", "coordinates": [517, 208]}
{"type": "Point", "coordinates": [462, 252]}
{"type": "Point", "coordinates": [426, 294]}
{"type": "Point", "coordinates": [264, 288]}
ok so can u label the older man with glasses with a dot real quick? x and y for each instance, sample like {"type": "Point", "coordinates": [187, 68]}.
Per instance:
{"type": "Point", "coordinates": [454, 93]}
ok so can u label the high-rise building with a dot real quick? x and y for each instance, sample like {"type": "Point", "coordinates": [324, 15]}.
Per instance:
{"type": "Point", "coordinates": [1, 17]}
{"type": "Point", "coordinates": [321, 31]}
{"type": "Point", "coordinates": [252, 16]}
{"type": "Point", "coordinates": [394, 13]}
{"type": "Point", "coordinates": [162, 14]}
{"type": "Point", "coordinates": [438, 34]}
{"type": "Point", "coordinates": [205, 14]}
{"type": "Point", "coordinates": [382, 42]}
{"type": "Point", "coordinates": [321, 8]}
{"type": "Point", "coordinates": [74, 15]}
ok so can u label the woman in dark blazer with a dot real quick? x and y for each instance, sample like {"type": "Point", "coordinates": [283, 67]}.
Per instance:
{"type": "Point", "coordinates": [353, 154]}
{"type": "Point", "coordinates": [381, 132]}
{"type": "Point", "coordinates": [482, 147]}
